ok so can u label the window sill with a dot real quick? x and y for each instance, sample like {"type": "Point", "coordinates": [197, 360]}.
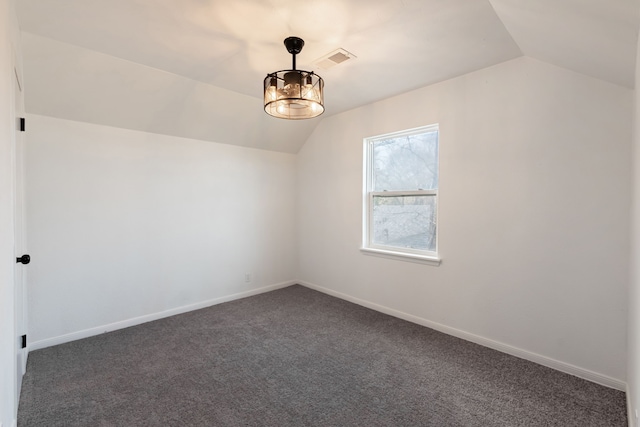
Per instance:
{"type": "Point", "coordinates": [400, 256]}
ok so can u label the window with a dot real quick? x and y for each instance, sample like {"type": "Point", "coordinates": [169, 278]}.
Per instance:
{"type": "Point", "coordinates": [401, 194]}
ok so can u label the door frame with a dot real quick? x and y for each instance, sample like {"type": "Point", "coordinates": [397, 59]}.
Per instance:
{"type": "Point", "coordinates": [20, 272]}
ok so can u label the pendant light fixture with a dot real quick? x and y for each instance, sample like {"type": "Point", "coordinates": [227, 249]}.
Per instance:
{"type": "Point", "coordinates": [293, 94]}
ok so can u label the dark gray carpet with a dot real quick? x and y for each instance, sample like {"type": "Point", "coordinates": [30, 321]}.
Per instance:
{"type": "Point", "coordinates": [296, 357]}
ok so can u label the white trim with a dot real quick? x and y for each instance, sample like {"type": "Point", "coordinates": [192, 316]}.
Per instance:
{"type": "Point", "coordinates": [631, 417]}
{"type": "Point", "coordinates": [399, 193]}
{"type": "Point", "coordinates": [435, 127]}
{"type": "Point", "coordinates": [496, 345]}
{"type": "Point", "coordinates": [48, 342]}
{"type": "Point", "coordinates": [402, 256]}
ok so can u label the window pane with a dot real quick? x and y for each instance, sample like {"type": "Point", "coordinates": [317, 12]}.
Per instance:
{"type": "Point", "coordinates": [408, 162]}
{"type": "Point", "coordinates": [405, 222]}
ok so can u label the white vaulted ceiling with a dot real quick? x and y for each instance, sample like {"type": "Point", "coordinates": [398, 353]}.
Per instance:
{"type": "Point", "coordinates": [194, 68]}
{"type": "Point", "coordinates": [593, 37]}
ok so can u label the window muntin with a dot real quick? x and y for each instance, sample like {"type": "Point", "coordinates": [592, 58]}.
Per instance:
{"type": "Point", "coordinates": [401, 192]}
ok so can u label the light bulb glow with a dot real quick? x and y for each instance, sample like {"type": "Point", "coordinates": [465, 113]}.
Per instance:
{"type": "Point", "coordinates": [270, 94]}
{"type": "Point", "coordinates": [309, 92]}
{"type": "Point", "coordinates": [293, 94]}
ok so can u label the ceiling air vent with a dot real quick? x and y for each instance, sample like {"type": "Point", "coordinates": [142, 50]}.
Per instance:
{"type": "Point", "coordinates": [334, 58]}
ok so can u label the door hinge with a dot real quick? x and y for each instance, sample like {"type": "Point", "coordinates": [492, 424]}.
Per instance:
{"type": "Point", "coordinates": [24, 341]}
{"type": "Point", "coordinates": [23, 124]}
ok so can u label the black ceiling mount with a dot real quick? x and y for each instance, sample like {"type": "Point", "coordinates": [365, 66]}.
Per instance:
{"type": "Point", "coordinates": [294, 46]}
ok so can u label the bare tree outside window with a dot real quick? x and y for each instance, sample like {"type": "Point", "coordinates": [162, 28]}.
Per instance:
{"type": "Point", "coordinates": [402, 184]}
{"type": "Point", "coordinates": [408, 162]}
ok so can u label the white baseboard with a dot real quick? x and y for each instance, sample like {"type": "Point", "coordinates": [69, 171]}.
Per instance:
{"type": "Point", "coordinates": [631, 416]}
{"type": "Point", "coordinates": [486, 342]}
{"type": "Point", "coordinates": [36, 345]}
{"type": "Point", "coordinates": [496, 345]}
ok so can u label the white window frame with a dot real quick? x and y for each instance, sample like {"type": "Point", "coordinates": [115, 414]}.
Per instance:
{"type": "Point", "coordinates": [394, 252]}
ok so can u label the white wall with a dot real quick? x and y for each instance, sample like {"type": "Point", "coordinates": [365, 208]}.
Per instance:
{"type": "Point", "coordinates": [9, 56]}
{"type": "Point", "coordinates": [126, 225]}
{"type": "Point", "coordinates": [633, 343]}
{"type": "Point", "coordinates": [533, 214]}
{"type": "Point", "coordinates": [70, 82]}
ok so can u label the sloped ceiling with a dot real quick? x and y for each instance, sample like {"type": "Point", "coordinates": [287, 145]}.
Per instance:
{"type": "Point", "coordinates": [593, 37]}
{"type": "Point", "coordinates": [194, 68]}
